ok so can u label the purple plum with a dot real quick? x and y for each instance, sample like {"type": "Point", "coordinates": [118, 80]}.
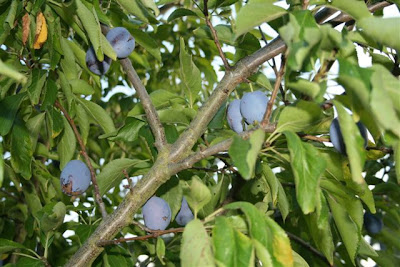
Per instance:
{"type": "Point", "coordinates": [253, 106]}
{"type": "Point", "coordinates": [156, 213]}
{"type": "Point", "coordinates": [122, 41]}
{"type": "Point", "coordinates": [75, 178]}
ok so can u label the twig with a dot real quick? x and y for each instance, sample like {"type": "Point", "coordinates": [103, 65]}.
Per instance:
{"type": "Point", "coordinates": [314, 138]}
{"type": "Point", "coordinates": [150, 110]}
{"type": "Point", "coordinates": [87, 159]}
{"type": "Point", "coordinates": [129, 180]}
{"type": "Point", "coordinates": [386, 150]}
{"type": "Point", "coordinates": [153, 234]}
{"type": "Point", "coordinates": [215, 36]}
{"type": "Point", "coordinates": [271, 101]}
{"type": "Point", "coordinates": [308, 246]}
{"type": "Point", "coordinates": [305, 4]}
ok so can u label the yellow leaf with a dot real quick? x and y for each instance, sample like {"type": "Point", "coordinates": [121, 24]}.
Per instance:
{"type": "Point", "coordinates": [41, 31]}
{"type": "Point", "coordinates": [25, 28]}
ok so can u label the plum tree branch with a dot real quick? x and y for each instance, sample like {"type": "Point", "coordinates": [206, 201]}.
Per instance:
{"type": "Point", "coordinates": [151, 112]}
{"type": "Point", "coordinates": [71, 122]}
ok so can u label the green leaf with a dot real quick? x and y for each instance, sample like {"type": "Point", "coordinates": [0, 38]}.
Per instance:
{"type": "Point", "coordinates": [66, 146]}
{"type": "Point", "coordinates": [55, 121]}
{"type": "Point", "coordinates": [129, 132]}
{"type": "Point", "coordinates": [231, 247]}
{"type": "Point", "coordinates": [255, 13]}
{"type": "Point", "coordinates": [385, 100]}
{"type": "Point", "coordinates": [112, 173]}
{"type": "Point", "coordinates": [190, 74]}
{"type": "Point", "coordinates": [99, 115]}
{"type": "Point", "coordinates": [21, 149]}
{"type": "Point", "coordinates": [160, 249]}
{"type": "Point", "coordinates": [8, 71]}
{"type": "Point", "coordinates": [348, 229]}
{"type": "Point", "coordinates": [196, 248]}
{"type": "Point", "coordinates": [300, 117]}
{"type": "Point", "coordinates": [320, 229]}
{"type": "Point", "coordinates": [196, 193]}
{"type": "Point", "coordinates": [181, 12]}
{"type": "Point", "coordinates": [68, 62]}
{"type": "Point", "coordinates": [272, 181]}
{"type": "Point", "coordinates": [382, 30]}
{"type": "Point", "coordinates": [50, 94]}
{"type": "Point", "coordinates": [354, 143]}
{"type": "Point", "coordinates": [81, 87]}
{"type": "Point", "coordinates": [267, 232]}
{"type": "Point", "coordinates": [396, 149]}
{"type": "Point", "coordinates": [8, 245]}
{"type": "Point", "coordinates": [244, 152]}
{"type": "Point", "coordinates": [304, 86]}
{"type": "Point", "coordinates": [133, 7]}
{"type": "Point", "coordinates": [307, 166]}
{"type": "Point", "coordinates": [355, 8]}
{"type": "Point", "coordinates": [51, 216]}
{"type": "Point", "coordinates": [298, 260]}
{"type": "Point", "coordinates": [8, 109]}
{"type": "Point", "coordinates": [147, 42]}
{"type": "Point", "coordinates": [283, 203]}
{"type": "Point", "coordinates": [1, 164]}
{"type": "Point", "coordinates": [34, 125]}
{"type": "Point", "coordinates": [171, 191]}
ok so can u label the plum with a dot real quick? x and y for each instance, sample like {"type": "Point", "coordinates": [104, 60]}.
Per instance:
{"type": "Point", "coordinates": [122, 41]}
{"type": "Point", "coordinates": [253, 106]}
{"type": "Point", "coordinates": [96, 66]}
{"type": "Point", "coordinates": [235, 119]}
{"type": "Point", "coordinates": [75, 178]}
{"type": "Point", "coordinates": [337, 137]}
{"type": "Point", "coordinates": [372, 223]}
{"type": "Point", "coordinates": [156, 213]}
{"type": "Point", "coordinates": [185, 215]}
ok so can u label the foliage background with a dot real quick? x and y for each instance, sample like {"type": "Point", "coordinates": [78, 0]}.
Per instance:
{"type": "Point", "coordinates": [284, 196]}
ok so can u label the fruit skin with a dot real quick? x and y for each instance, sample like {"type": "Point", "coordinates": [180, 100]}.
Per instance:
{"type": "Point", "coordinates": [122, 41]}
{"type": "Point", "coordinates": [372, 223]}
{"type": "Point", "coordinates": [337, 137]}
{"type": "Point", "coordinates": [184, 215]}
{"type": "Point", "coordinates": [156, 213]}
{"type": "Point", "coordinates": [235, 118]}
{"type": "Point", "coordinates": [253, 106]}
{"type": "Point", "coordinates": [96, 66]}
{"type": "Point", "coordinates": [75, 178]}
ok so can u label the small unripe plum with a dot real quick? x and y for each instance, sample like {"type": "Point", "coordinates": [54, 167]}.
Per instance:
{"type": "Point", "coordinates": [184, 215]}
{"type": "Point", "coordinates": [253, 106]}
{"type": "Point", "coordinates": [96, 66]}
{"type": "Point", "coordinates": [156, 213]}
{"type": "Point", "coordinates": [75, 178]}
{"type": "Point", "coordinates": [235, 119]}
{"type": "Point", "coordinates": [372, 223]}
{"type": "Point", "coordinates": [337, 137]}
{"type": "Point", "coordinates": [122, 41]}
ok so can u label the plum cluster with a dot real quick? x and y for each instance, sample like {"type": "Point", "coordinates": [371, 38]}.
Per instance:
{"type": "Point", "coordinates": [157, 214]}
{"type": "Point", "coordinates": [75, 178]}
{"type": "Point", "coordinates": [245, 111]}
{"type": "Point", "coordinates": [123, 44]}
{"type": "Point", "coordinates": [337, 137]}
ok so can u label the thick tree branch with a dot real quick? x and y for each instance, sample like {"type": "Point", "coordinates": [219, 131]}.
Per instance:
{"type": "Point", "coordinates": [98, 198]}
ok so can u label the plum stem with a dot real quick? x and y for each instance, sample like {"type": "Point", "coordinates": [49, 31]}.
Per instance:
{"type": "Point", "coordinates": [71, 122]}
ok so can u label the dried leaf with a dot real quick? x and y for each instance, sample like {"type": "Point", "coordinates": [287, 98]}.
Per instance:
{"type": "Point", "coordinates": [26, 21]}
{"type": "Point", "coordinates": [41, 31]}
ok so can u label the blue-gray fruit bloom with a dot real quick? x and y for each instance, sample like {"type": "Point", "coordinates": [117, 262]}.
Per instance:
{"type": "Point", "coordinates": [253, 106]}
{"type": "Point", "coordinates": [96, 66]}
{"type": "Point", "coordinates": [184, 215]}
{"type": "Point", "coordinates": [372, 223]}
{"type": "Point", "coordinates": [156, 213]}
{"type": "Point", "coordinates": [337, 137]}
{"type": "Point", "coordinates": [121, 41]}
{"type": "Point", "coordinates": [75, 178]}
{"type": "Point", "coordinates": [234, 117]}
